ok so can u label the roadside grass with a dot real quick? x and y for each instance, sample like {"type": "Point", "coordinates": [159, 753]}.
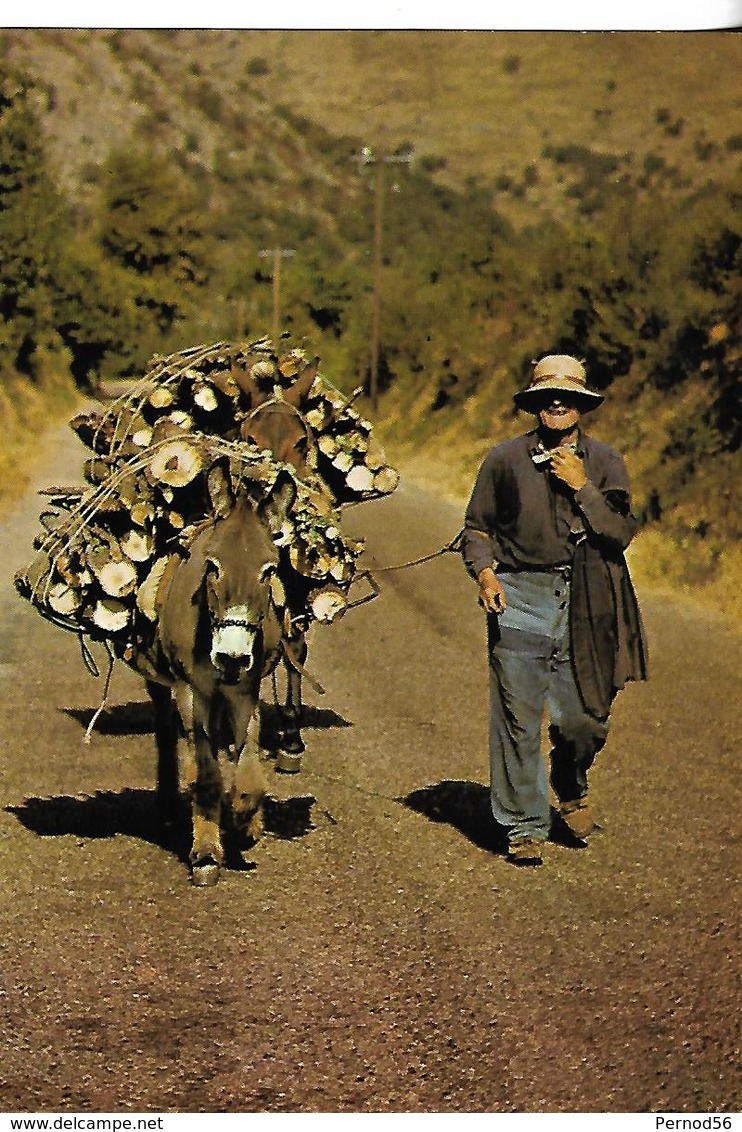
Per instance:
{"type": "Point", "coordinates": [26, 411]}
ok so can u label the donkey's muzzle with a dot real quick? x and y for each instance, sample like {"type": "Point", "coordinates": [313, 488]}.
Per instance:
{"type": "Point", "coordinates": [233, 648]}
{"type": "Point", "coordinates": [231, 669]}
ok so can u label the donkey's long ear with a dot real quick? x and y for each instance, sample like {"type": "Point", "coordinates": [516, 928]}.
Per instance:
{"type": "Point", "coordinates": [276, 506]}
{"type": "Point", "coordinates": [219, 487]}
{"type": "Point", "coordinates": [297, 392]}
{"type": "Point", "coordinates": [211, 571]}
{"type": "Point", "coordinates": [248, 385]}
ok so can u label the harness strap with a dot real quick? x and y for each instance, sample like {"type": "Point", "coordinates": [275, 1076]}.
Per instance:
{"type": "Point", "coordinates": [295, 663]}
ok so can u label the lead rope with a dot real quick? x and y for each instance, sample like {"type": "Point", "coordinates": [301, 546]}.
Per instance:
{"type": "Point", "coordinates": [106, 690]}
{"type": "Point", "coordinates": [452, 547]}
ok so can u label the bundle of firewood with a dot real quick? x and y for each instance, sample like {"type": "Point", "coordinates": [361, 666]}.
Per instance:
{"type": "Point", "coordinates": [105, 550]}
{"type": "Point", "coordinates": [218, 390]}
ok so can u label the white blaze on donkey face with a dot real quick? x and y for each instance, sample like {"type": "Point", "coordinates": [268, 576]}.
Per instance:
{"type": "Point", "coordinates": [233, 640]}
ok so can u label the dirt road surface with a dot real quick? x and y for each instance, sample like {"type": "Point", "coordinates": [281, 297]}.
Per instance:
{"type": "Point", "coordinates": [376, 953]}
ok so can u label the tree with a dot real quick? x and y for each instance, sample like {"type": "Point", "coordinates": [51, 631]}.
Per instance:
{"type": "Point", "coordinates": [29, 209]}
{"type": "Point", "coordinates": [95, 314]}
{"type": "Point", "coordinates": [150, 228]}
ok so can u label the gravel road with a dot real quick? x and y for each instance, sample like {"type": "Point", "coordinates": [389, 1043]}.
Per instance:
{"type": "Point", "coordinates": [376, 953]}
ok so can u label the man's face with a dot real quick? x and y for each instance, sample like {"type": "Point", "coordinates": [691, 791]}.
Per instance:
{"type": "Point", "coordinates": [559, 412]}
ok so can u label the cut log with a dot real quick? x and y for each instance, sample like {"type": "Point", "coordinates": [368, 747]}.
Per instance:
{"type": "Point", "coordinates": [142, 514]}
{"type": "Point", "coordinates": [117, 579]}
{"type": "Point", "coordinates": [70, 569]}
{"type": "Point", "coordinates": [137, 545]}
{"type": "Point", "coordinates": [278, 591]}
{"type": "Point", "coordinates": [87, 425]}
{"type": "Point", "coordinates": [51, 521]}
{"type": "Point", "coordinates": [35, 577]}
{"type": "Point", "coordinates": [328, 445]}
{"type": "Point", "coordinates": [95, 471]}
{"type": "Point", "coordinates": [168, 461]}
{"type": "Point", "coordinates": [386, 480]}
{"type": "Point", "coordinates": [360, 479]}
{"type": "Point", "coordinates": [342, 571]}
{"type": "Point", "coordinates": [110, 615]}
{"type": "Point", "coordinates": [183, 420]}
{"type": "Point", "coordinates": [142, 437]}
{"type": "Point", "coordinates": [99, 549]}
{"type": "Point", "coordinates": [176, 463]}
{"type": "Point", "coordinates": [374, 458]}
{"type": "Point", "coordinates": [221, 495]}
{"type": "Point", "coordinates": [165, 429]}
{"type": "Point", "coordinates": [160, 397]}
{"type": "Point", "coordinates": [205, 397]}
{"type": "Point", "coordinates": [67, 497]}
{"type": "Point", "coordinates": [344, 463]}
{"type": "Point", "coordinates": [63, 599]}
{"type": "Point", "coordinates": [327, 604]}
{"type": "Point", "coordinates": [225, 383]}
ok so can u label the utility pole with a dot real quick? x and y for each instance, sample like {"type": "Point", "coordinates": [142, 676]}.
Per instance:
{"type": "Point", "coordinates": [276, 254]}
{"type": "Point", "coordinates": [380, 161]}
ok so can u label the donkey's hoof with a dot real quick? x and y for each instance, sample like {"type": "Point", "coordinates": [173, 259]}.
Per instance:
{"type": "Point", "coordinates": [205, 874]}
{"type": "Point", "coordinates": [292, 744]}
{"type": "Point", "coordinates": [288, 762]}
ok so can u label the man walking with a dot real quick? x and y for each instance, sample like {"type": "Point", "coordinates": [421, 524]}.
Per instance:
{"type": "Point", "coordinates": [545, 530]}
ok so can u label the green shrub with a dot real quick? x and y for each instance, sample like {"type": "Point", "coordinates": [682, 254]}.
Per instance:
{"type": "Point", "coordinates": [257, 67]}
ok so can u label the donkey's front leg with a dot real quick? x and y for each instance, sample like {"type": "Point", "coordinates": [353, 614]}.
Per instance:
{"type": "Point", "coordinates": [166, 738]}
{"type": "Point", "coordinates": [207, 851]}
{"type": "Point", "coordinates": [291, 743]}
{"type": "Point", "coordinates": [249, 785]}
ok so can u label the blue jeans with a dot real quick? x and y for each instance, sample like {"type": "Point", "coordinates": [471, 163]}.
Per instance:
{"type": "Point", "coordinates": [530, 670]}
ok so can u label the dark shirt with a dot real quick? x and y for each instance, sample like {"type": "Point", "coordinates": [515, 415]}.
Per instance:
{"type": "Point", "coordinates": [520, 517]}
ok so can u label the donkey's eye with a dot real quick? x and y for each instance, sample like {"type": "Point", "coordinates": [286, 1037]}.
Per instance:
{"type": "Point", "coordinates": [266, 571]}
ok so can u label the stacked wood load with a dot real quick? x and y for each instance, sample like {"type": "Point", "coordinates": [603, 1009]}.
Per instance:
{"type": "Point", "coordinates": [166, 455]}
{"type": "Point", "coordinates": [106, 549]}
{"type": "Point", "coordinates": [217, 390]}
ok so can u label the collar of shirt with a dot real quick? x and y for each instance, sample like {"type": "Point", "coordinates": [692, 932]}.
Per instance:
{"type": "Point", "coordinates": [537, 447]}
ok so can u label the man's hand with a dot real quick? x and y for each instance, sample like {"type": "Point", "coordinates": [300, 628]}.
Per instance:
{"type": "Point", "coordinates": [491, 593]}
{"type": "Point", "coordinates": [568, 467]}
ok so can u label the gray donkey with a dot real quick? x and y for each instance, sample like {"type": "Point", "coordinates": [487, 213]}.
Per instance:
{"type": "Point", "coordinates": [217, 636]}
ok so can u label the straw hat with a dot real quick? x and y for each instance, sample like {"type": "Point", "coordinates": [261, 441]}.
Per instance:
{"type": "Point", "coordinates": [558, 372]}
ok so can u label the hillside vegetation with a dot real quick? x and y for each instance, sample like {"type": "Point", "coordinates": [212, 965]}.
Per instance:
{"type": "Point", "coordinates": [553, 191]}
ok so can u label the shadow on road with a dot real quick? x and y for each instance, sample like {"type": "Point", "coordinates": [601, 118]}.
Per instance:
{"type": "Point", "coordinates": [320, 719]}
{"type": "Point", "coordinates": [132, 718]}
{"type": "Point", "coordinates": [134, 813]}
{"type": "Point", "coordinates": [465, 806]}
{"type": "Point", "coordinates": [137, 718]}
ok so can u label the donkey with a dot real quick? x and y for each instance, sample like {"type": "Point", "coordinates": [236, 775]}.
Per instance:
{"type": "Point", "coordinates": [277, 423]}
{"type": "Point", "coordinates": [217, 636]}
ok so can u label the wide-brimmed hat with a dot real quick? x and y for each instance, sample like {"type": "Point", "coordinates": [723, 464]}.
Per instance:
{"type": "Point", "coordinates": [558, 372]}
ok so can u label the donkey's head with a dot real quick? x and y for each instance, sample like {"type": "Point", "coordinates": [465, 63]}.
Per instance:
{"type": "Point", "coordinates": [278, 426]}
{"type": "Point", "coordinates": [276, 422]}
{"type": "Point", "coordinates": [240, 559]}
